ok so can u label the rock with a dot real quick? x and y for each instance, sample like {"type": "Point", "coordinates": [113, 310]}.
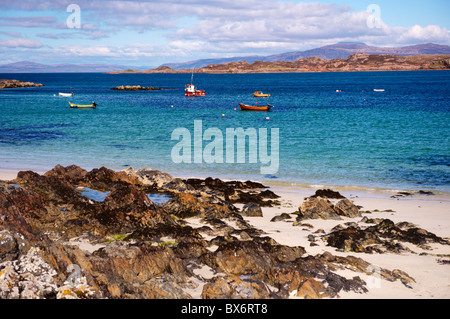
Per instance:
{"type": "Point", "coordinates": [187, 205]}
{"type": "Point", "coordinates": [327, 193]}
{"type": "Point", "coordinates": [317, 208]}
{"type": "Point", "coordinates": [310, 289]}
{"type": "Point", "coordinates": [406, 279]}
{"type": "Point", "coordinates": [163, 288]}
{"type": "Point", "coordinates": [29, 277]}
{"type": "Point", "coordinates": [106, 179]}
{"type": "Point", "coordinates": [236, 191]}
{"type": "Point", "coordinates": [127, 208]}
{"type": "Point", "coordinates": [346, 208]}
{"type": "Point", "coordinates": [135, 88]}
{"type": "Point", "coordinates": [12, 245]}
{"type": "Point", "coordinates": [57, 243]}
{"type": "Point", "coordinates": [252, 210]}
{"type": "Point", "coordinates": [11, 84]}
{"type": "Point", "coordinates": [283, 216]}
{"type": "Point", "coordinates": [72, 173]}
{"type": "Point", "coordinates": [250, 257]}
{"type": "Point", "coordinates": [233, 287]}
{"type": "Point", "coordinates": [381, 237]}
{"type": "Point", "coordinates": [286, 277]}
{"type": "Point", "coordinates": [157, 180]}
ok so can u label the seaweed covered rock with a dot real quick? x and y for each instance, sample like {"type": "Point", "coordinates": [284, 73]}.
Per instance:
{"type": "Point", "coordinates": [127, 208]}
{"type": "Point", "coordinates": [382, 237]}
{"type": "Point", "coordinates": [198, 204]}
{"type": "Point", "coordinates": [252, 210]}
{"type": "Point", "coordinates": [233, 287]}
{"type": "Point", "coordinates": [235, 191]}
{"type": "Point", "coordinates": [316, 207]}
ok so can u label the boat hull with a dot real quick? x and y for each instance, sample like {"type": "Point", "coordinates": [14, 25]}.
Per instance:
{"type": "Point", "coordinates": [199, 93]}
{"type": "Point", "coordinates": [66, 94]}
{"type": "Point", "coordinates": [245, 107]}
{"type": "Point", "coordinates": [76, 106]}
{"type": "Point", "coordinates": [260, 94]}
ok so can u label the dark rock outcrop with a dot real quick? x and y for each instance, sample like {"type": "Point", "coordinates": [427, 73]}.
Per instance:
{"type": "Point", "coordinates": [252, 210]}
{"type": "Point", "coordinates": [135, 88]}
{"type": "Point", "coordinates": [12, 84]}
{"type": "Point", "coordinates": [55, 242]}
{"type": "Point", "coordinates": [236, 191]}
{"type": "Point", "coordinates": [317, 207]}
{"type": "Point", "coordinates": [385, 236]}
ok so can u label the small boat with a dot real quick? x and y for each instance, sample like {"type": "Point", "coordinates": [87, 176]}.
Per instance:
{"type": "Point", "coordinates": [191, 89]}
{"type": "Point", "coordinates": [66, 94]}
{"type": "Point", "coordinates": [77, 106]}
{"type": "Point", "coordinates": [378, 90]}
{"type": "Point", "coordinates": [245, 107]}
{"type": "Point", "coordinates": [260, 94]}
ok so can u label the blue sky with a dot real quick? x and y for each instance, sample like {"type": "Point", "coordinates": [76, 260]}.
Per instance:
{"type": "Point", "coordinates": [150, 33]}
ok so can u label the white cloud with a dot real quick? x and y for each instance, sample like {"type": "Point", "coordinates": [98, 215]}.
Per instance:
{"type": "Point", "coordinates": [21, 43]}
{"type": "Point", "coordinates": [191, 29]}
{"type": "Point", "coordinates": [416, 33]}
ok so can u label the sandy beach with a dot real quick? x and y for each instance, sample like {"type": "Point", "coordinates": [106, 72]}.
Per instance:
{"type": "Point", "coordinates": [429, 212]}
{"type": "Point", "coordinates": [426, 266]}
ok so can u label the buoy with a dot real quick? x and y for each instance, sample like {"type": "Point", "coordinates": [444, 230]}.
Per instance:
{"type": "Point", "coordinates": [267, 118]}
{"type": "Point", "coordinates": [223, 115]}
{"type": "Point", "coordinates": [235, 109]}
{"type": "Point", "coordinates": [171, 106]}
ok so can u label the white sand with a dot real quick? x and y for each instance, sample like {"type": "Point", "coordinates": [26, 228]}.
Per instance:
{"type": "Point", "coordinates": [7, 174]}
{"type": "Point", "coordinates": [429, 212]}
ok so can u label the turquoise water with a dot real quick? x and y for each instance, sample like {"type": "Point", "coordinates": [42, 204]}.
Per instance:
{"type": "Point", "coordinates": [393, 139]}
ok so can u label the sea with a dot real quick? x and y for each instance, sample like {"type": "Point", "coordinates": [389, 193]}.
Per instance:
{"type": "Point", "coordinates": [332, 128]}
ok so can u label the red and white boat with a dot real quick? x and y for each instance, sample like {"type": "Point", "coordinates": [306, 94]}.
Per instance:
{"type": "Point", "coordinates": [191, 89]}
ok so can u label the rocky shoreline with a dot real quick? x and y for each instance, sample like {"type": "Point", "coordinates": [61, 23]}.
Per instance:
{"type": "Point", "coordinates": [12, 84]}
{"type": "Point", "coordinates": [358, 62]}
{"type": "Point", "coordinates": [58, 242]}
{"type": "Point", "coordinates": [135, 88]}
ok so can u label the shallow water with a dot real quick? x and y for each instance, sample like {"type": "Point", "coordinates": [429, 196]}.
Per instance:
{"type": "Point", "coordinates": [393, 139]}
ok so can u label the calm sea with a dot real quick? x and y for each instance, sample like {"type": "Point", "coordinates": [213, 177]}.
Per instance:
{"type": "Point", "coordinates": [397, 139]}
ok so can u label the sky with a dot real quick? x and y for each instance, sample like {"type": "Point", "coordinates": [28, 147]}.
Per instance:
{"type": "Point", "coordinates": [150, 33]}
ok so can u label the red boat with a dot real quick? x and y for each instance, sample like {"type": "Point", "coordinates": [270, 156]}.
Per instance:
{"type": "Point", "coordinates": [191, 90]}
{"type": "Point", "coordinates": [245, 107]}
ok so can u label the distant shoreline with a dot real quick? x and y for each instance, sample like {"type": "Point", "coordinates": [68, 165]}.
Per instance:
{"type": "Point", "coordinates": [358, 62]}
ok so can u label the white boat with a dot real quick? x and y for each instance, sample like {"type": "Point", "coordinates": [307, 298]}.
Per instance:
{"type": "Point", "coordinates": [378, 90]}
{"type": "Point", "coordinates": [66, 94]}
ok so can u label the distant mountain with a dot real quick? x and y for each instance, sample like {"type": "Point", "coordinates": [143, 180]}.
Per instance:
{"type": "Point", "coordinates": [328, 52]}
{"type": "Point", "coordinates": [32, 67]}
{"type": "Point", "coordinates": [204, 62]}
